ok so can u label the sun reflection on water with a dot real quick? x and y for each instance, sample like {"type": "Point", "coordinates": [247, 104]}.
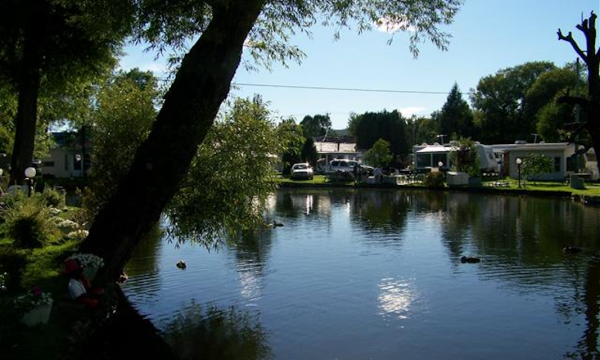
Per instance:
{"type": "Point", "coordinates": [396, 297]}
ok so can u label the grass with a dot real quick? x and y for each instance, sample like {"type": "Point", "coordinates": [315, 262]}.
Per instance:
{"type": "Point", "coordinates": [43, 269]}
{"type": "Point", "coordinates": [317, 180]}
{"type": "Point", "coordinates": [591, 189]}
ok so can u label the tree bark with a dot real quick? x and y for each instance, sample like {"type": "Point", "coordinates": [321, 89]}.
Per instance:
{"type": "Point", "coordinates": [190, 107]}
{"type": "Point", "coordinates": [26, 118]}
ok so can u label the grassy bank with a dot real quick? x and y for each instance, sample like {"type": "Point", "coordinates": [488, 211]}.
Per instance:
{"type": "Point", "coordinates": [509, 186]}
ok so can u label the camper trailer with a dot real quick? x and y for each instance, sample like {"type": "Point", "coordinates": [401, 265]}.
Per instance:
{"type": "Point", "coordinates": [432, 156]}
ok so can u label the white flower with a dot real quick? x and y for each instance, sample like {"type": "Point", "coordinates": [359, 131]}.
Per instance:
{"type": "Point", "coordinates": [67, 225]}
{"type": "Point", "coordinates": [88, 260]}
{"type": "Point", "coordinates": [54, 211]}
{"type": "Point", "coordinates": [78, 234]}
{"type": "Point", "coordinates": [32, 299]}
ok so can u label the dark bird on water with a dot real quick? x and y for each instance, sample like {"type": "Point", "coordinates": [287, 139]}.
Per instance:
{"type": "Point", "coordinates": [181, 264]}
{"type": "Point", "coordinates": [469, 259]}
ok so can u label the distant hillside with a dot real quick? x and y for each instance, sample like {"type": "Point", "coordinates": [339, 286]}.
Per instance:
{"type": "Point", "coordinates": [342, 132]}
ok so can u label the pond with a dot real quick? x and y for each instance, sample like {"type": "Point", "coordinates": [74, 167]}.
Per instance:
{"type": "Point", "coordinates": [376, 274]}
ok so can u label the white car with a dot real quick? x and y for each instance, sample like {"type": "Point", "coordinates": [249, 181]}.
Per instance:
{"type": "Point", "coordinates": [301, 171]}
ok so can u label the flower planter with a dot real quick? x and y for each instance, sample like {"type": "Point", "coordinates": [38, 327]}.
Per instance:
{"type": "Point", "coordinates": [37, 315]}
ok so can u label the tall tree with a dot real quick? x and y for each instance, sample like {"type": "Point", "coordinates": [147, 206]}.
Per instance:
{"type": "Point", "coordinates": [202, 83]}
{"type": "Point", "coordinates": [590, 104]}
{"type": "Point", "coordinates": [389, 126]}
{"type": "Point", "coordinates": [500, 100]}
{"type": "Point", "coordinates": [314, 126]}
{"type": "Point", "coordinates": [44, 45]}
{"type": "Point", "coordinates": [549, 116]}
{"type": "Point", "coordinates": [456, 118]}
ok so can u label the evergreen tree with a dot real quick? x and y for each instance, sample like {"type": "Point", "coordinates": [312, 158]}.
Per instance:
{"type": "Point", "coordinates": [456, 117]}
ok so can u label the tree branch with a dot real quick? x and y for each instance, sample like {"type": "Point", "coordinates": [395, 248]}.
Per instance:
{"type": "Point", "coordinates": [573, 100]}
{"type": "Point", "coordinates": [569, 39]}
{"type": "Point", "coordinates": [575, 128]}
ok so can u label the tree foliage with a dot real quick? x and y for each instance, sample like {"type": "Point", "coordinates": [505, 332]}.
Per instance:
{"type": "Point", "coordinates": [379, 155]}
{"type": "Point", "coordinates": [465, 157]}
{"type": "Point", "coordinates": [309, 152]}
{"type": "Point", "coordinates": [389, 126]}
{"type": "Point", "coordinates": [501, 101]}
{"type": "Point", "coordinates": [422, 130]}
{"type": "Point", "coordinates": [456, 119]}
{"type": "Point", "coordinates": [315, 126]}
{"type": "Point", "coordinates": [293, 140]}
{"type": "Point", "coordinates": [536, 164]}
{"type": "Point", "coordinates": [122, 118]}
{"type": "Point", "coordinates": [45, 45]}
{"type": "Point", "coordinates": [230, 178]}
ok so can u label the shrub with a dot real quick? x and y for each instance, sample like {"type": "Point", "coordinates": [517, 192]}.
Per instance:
{"type": "Point", "coordinates": [12, 264]}
{"type": "Point", "coordinates": [28, 223]}
{"type": "Point", "coordinates": [434, 180]}
{"type": "Point", "coordinates": [54, 198]}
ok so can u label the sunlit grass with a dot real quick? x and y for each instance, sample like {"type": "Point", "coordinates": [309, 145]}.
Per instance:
{"type": "Point", "coordinates": [591, 189]}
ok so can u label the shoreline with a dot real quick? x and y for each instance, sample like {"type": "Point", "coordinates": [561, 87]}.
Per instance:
{"type": "Point", "coordinates": [590, 200]}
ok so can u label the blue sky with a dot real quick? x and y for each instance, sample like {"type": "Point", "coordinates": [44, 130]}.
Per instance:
{"type": "Point", "coordinates": [487, 35]}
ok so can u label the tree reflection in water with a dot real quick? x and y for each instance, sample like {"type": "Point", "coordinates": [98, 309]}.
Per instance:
{"type": "Point", "coordinates": [214, 333]}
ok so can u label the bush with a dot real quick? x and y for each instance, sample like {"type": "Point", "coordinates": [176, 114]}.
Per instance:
{"type": "Point", "coordinates": [28, 222]}
{"type": "Point", "coordinates": [12, 263]}
{"type": "Point", "coordinates": [434, 180]}
{"type": "Point", "coordinates": [54, 198]}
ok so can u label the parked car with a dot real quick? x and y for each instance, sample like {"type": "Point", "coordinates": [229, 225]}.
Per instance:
{"type": "Point", "coordinates": [367, 170]}
{"type": "Point", "coordinates": [301, 171]}
{"type": "Point", "coordinates": [344, 165]}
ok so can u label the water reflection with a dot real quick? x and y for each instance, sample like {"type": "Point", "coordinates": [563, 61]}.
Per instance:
{"type": "Point", "coordinates": [350, 268]}
{"type": "Point", "coordinates": [213, 333]}
{"type": "Point", "coordinates": [381, 211]}
{"type": "Point", "coordinates": [251, 251]}
{"type": "Point", "coordinates": [396, 297]}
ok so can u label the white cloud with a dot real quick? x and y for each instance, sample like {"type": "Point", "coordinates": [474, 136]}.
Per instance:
{"type": "Point", "coordinates": [393, 25]}
{"type": "Point", "coordinates": [412, 110]}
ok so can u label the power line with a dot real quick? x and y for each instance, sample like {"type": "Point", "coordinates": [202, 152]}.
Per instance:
{"type": "Point", "coordinates": [343, 89]}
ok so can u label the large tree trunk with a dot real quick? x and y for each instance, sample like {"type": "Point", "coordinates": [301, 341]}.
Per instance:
{"type": "Point", "coordinates": [26, 119]}
{"type": "Point", "coordinates": [191, 104]}
{"type": "Point", "coordinates": [591, 57]}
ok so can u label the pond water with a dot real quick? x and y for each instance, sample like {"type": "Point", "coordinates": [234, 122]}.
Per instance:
{"type": "Point", "coordinates": [376, 274]}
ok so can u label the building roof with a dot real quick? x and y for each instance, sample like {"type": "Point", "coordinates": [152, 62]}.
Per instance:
{"type": "Point", "coordinates": [334, 147]}
{"type": "Point", "coordinates": [533, 147]}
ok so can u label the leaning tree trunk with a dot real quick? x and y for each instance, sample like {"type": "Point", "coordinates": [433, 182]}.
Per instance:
{"type": "Point", "coordinates": [190, 107]}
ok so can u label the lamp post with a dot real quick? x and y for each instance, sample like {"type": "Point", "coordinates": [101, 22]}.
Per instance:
{"type": "Point", "coordinates": [519, 162]}
{"type": "Point", "coordinates": [29, 175]}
